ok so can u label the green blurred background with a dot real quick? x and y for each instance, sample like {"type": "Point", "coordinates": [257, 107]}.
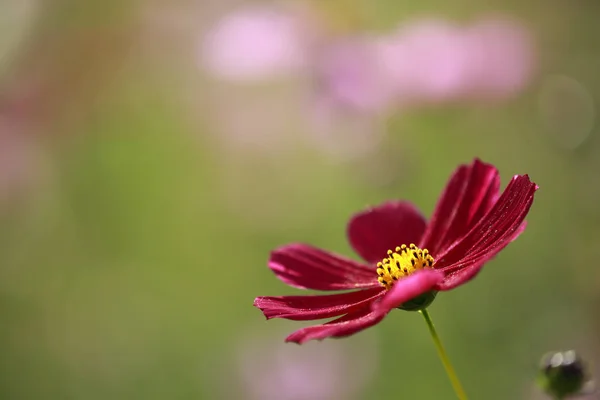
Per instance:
{"type": "Point", "coordinates": [136, 238]}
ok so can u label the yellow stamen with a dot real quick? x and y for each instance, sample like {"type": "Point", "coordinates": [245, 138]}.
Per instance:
{"type": "Point", "coordinates": [402, 262]}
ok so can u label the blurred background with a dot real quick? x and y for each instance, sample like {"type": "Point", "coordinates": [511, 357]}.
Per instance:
{"type": "Point", "coordinates": [153, 153]}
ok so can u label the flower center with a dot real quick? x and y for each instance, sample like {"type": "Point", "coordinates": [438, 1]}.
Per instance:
{"type": "Point", "coordinates": [402, 262]}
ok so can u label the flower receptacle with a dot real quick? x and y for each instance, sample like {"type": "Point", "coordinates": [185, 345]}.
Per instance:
{"type": "Point", "coordinates": [420, 302]}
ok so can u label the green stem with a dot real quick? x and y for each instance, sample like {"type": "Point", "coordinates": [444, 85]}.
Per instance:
{"type": "Point", "coordinates": [460, 392]}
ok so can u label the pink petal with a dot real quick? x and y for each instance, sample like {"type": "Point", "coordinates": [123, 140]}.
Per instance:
{"type": "Point", "coordinates": [470, 193]}
{"type": "Point", "coordinates": [408, 288]}
{"type": "Point", "coordinates": [344, 326]}
{"type": "Point", "coordinates": [376, 230]}
{"type": "Point", "coordinates": [307, 267]}
{"type": "Point", "coordinates": [494, 232]}
{"type": "Point", "coordinates": [301, 308]}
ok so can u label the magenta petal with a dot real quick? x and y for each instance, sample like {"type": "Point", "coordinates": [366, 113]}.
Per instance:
{"type": "Point", "coordinates": [470, 193]}
{"type": "Point", "coordinates": [408, 288]}
{"type": "Point", "coordinates": [508, 213]}
{"type": "Point", "coordinates": [344, 326]}
{"type": "Point", "coordinates": [302, 308]}
{"type": "Point", "coordinates": [376, 230]}
{"type": "Point", "coordinates": [307, 267]}
{"type": "Point", "coordinates": [493, 232]}
{"type": "Point", "coordinates": [467, 270]}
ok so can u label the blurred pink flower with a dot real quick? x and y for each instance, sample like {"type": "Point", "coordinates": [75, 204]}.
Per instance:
{"type": "Point", "coordinates": [346, 73]}
{"type": "Point", "coordinates": [255, 43]}
{"type": "Point", "coordinates": [352, 82]}
{"type": "Point", "coordinates": [427, 60]}
{"type": "Point", "coordinates": [423, 61]}
{"type": "Point", "coordinates": [433, 61]}
{"type": "Point", "coordinates": [503, 58]}
{"type": "Point", "coordinates": [319, 371]}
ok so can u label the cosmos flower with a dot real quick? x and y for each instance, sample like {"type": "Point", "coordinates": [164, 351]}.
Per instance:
{"type": "Point", "coordinates": [408, 260]}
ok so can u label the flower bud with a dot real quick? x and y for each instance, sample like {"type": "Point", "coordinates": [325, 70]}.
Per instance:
{"type": "Point", "coordinates": [562, 374]}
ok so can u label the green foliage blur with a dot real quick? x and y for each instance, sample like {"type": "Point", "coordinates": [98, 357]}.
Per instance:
{"type": "Point", "coordinates": [129, 263]}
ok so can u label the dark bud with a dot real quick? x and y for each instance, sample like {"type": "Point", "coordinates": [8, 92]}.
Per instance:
{"type": "Point", "coordinates": [562, 374]}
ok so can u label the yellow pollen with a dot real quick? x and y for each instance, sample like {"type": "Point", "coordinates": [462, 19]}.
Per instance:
{"type": "Point", "coordinates": [402, 262]}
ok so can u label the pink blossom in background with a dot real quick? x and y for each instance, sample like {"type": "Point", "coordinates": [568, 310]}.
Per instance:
{"type": "Point", "coordinates": [504, 57]}
{"type": "Point", "coordinates": [346, 97]}
{"type": "Point", "coordinates": [352, 82]}
{"type": "Point", "coordinates": [271, 370]}
{"type": "Point", "coordinates": [426, 60]}
{"type": "Point", "coordinates": [423, 61]}
{"type": "Point", "coordinates": [269, 118]}
{"type": "Point", "coordinates": [345, 73]}
{"type": "Point", "coordinates": [255, 43]}
{"type": "Point", "coordinates": [433, 61]}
